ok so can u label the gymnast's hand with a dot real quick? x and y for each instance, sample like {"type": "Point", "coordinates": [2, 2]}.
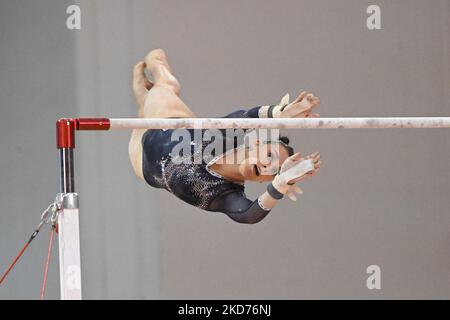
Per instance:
{"type": "Point", "coordinates": [296, 159]}
{"type": "Point", "coordinates": [295, 169]}
{"type": "Point", "coordinates": [302, 107]}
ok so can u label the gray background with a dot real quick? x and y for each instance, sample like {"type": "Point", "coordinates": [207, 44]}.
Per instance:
{"type": "Point", "coordinates": [382, 196]}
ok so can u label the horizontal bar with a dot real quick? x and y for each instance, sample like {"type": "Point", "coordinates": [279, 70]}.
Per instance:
{"type": "Point", "coordinates": [92, 124]}
{"type": "Point", "coordinates": [284, 123]}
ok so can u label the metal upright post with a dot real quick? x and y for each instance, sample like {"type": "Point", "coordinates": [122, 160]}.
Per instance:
{"type": "Point", "coordinates": [68, 219]}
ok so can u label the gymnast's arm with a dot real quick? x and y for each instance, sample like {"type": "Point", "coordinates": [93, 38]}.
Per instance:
{"type": "Point", "coordinates": [241, 209]}
{"type": "Point", "coordinates": [256, 112]}
{"type": "Point", "coordinates": [302, 107]}
{"type": "Point", "coordinates": [294, 169]}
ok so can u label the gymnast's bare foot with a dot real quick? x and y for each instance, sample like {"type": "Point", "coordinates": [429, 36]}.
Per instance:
{"type": "Point", "coordinates": [155, 58]}
{"type": "Point", "coordinates": [157, 64]}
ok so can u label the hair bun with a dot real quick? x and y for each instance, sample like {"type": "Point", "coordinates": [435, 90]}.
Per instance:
{"type": "Point", "coordinates": [284, 139]}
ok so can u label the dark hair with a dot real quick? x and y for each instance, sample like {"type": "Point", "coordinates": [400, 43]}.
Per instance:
{"type": "Point", "coordinates": [284, 141]}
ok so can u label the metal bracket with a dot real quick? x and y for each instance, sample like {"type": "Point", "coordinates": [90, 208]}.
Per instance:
{"type": "Point", "coordinates": [67, 200]}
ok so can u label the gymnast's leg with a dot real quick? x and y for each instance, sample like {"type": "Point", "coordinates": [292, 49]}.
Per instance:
{"type": "Point", "coordinates": [159, 99]}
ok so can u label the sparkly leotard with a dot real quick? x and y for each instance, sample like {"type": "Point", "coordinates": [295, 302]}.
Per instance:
{"type": "Point", "coordinates": [193, 181]}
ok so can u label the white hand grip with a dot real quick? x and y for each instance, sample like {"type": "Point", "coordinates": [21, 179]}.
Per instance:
{"type": "Point", "coordinates": [298, 170]}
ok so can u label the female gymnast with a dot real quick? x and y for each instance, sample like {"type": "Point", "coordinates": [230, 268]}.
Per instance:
{"type": "Point", "coordinates": [215, 184]}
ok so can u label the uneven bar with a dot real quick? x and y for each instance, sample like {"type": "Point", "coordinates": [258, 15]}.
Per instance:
{"type": "Point", "coordinates": [285, 123]}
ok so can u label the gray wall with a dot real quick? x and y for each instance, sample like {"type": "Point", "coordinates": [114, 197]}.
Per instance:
{"type": "Point", "coordinates": [381, 196]}
{"type": "Point", "coordinates": [36, 87]}
{"type": "Point", "coordinates": [48, 72]}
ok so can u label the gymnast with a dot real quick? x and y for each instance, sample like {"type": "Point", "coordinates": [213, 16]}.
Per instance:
{"type": "Point", "coordinates": [216, 184]}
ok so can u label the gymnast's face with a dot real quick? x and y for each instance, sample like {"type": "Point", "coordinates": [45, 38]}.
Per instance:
{"type": "Point", "coordinates": [263, 161]}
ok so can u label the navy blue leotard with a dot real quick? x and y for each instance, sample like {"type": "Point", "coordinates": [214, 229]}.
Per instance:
{"type": "Point", "coordinates": [193, 182]}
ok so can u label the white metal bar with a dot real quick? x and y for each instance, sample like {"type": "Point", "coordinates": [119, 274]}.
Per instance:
{"type": "Point", "coordinates": [284, 123]}
{"type": "Point", "coordinates": [69, 248]}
